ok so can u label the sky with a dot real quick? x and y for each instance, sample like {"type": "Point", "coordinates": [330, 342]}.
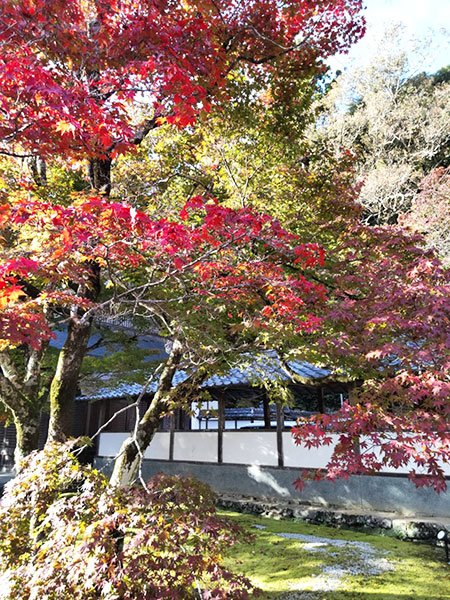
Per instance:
{"type": "Point", "coordinates": [420, 18]}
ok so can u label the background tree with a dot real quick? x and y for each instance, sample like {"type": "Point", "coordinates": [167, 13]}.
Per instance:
{"type": "Point", "coordinates": [395, 119]}
{"type": "Point", "coordinates": [430, 212]}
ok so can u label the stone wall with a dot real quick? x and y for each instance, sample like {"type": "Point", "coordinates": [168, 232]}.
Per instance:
{"type": "Point", "coordinates": [360, 494]}
{"type": "Point", "coordinates": [388, 523]}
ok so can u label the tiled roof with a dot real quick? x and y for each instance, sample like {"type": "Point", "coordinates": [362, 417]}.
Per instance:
{"type": "Point", "coordinates": [264, 367]}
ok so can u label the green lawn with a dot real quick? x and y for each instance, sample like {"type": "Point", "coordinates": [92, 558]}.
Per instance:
{"type": "Point", "coordinates": [381, 568]}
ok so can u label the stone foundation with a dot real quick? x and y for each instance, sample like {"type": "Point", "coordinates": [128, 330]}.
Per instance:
{"type": "Point", "coordinates": [361, 494]}
{"type": "Point", "coordinates": [387, 523]}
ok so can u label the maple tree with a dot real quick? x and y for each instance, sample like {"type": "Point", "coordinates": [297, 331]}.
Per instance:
{"type": "Point", "coordinates": [223, 264]}
{"type": "Point", "coordinates": [219, 278]}
{"type": "Point", "coordinates": [77, 65]}
{"type": "Point", "coordinates": [158, 542]}
{"type": "Point", "coordinates": [384, 328]}
{"type": "Point", "coordinates": [71, 74]}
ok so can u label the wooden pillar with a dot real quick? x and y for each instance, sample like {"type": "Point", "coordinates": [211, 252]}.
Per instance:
{"type": "Point", "coordinates": [221, 427]}
{"type": "Point", "coordinates": [102, 413]}
{"type": "Point", "coordinates": [280, 427]}
{"type": "Point", "coordinates": [266, 409]}
{"type": "Point", "coordinates": [171, 435]}
{"type": "Point", "coordinates": [88, 418]}
{"type": "Point", "coordinates": [321, 399]}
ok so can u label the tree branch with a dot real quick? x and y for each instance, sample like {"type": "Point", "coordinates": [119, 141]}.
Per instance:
{"type": "Point", "coordinates": [8, 367]}
{"type": "Point", "coordinates": [144, 129]}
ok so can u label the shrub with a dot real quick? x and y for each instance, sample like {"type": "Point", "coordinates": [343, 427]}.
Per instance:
{"type": "Point", "coordinates": [66, 534]}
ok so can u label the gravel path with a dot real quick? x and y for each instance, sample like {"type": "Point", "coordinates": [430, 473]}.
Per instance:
{"type": "Point", "coordinates": [350, 558]}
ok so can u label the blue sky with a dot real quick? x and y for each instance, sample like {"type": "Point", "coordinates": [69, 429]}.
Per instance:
{"type": "Point", "coordinates": [419, 17]}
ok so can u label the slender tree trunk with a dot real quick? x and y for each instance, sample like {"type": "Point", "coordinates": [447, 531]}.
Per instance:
{"type": "Point", "coordinates": [165, 400]}
{"type": "Point", "coordinates": [20, 393]}
{"type": "Point", "coordinates": [27, 425]}
{"type": "Point", "coordinates": [38, 170]}
{"type": "Point", "coordinates": [128, 461]}
{"type": "Point", "coordinates": [63, 389]}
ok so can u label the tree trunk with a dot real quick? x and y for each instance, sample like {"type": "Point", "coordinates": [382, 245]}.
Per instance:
{"type": "Point", "coordinates": [38, 170]}
{"type": "Point", "coordinates": [100, 175]}
{"type": "Point", "coordinates": [63, 389]}
{"type": "Point", "coordinates": [64, 386]}
{"type": "Point", "coordinates": [27, 434]}
{"type": "Point", "coordinates": [126, 465]}
{"type": "Point", "coordinates": [21, 397]}
{"type": "Point", "coordinates": [128, 461]}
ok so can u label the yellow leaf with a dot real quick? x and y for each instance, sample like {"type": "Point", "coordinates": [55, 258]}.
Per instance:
{"type": "Point", "coordinates": [9, 296]}
{"type": "Point", "coordinates": [65, 127]}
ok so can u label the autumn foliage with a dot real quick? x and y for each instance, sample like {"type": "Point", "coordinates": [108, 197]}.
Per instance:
{"type": "Point", "coordinates": [215, 253]}
{"type": "Point", "coordinates": [387, 321]}
{"type": "Point", "coordinates": [430, 212]}
{"type": "Point", "coordinates": [83, 81]}
{"type": "Point", "coordinates": [70, 70]}
{"type": "Point", "coordinates": [86, 80]}
{"type": "Point", "coordinates": [65, 533]}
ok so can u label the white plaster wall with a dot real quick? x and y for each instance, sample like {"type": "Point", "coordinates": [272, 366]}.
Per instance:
{"type": "Point", "coordinates": [299, 456]}
{"type": "Point", "coordinates": [195, 445]}
{"type": "Point", "coordinates": [250, 448]}
{"type": "Point", "coordinates": [406, 468]}
{"type": "Point", "coordinates": [239, 447]}
{"type": "Point", "coordinates": [110, 443]}
{"type": "Point", "coordinates": [159, 447]}
{"type": "Point", "coordinates": [316, 458]}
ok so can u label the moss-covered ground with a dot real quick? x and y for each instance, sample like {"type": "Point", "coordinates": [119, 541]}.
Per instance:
{"type": "Point", "coordinates": [319, 565]}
